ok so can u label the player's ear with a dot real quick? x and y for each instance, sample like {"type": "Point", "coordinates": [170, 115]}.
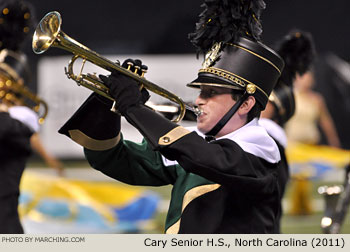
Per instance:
{"type": "Point", "coordinates": [247, 105]}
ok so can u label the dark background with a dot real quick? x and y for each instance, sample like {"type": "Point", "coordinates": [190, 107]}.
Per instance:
{"type": "Point", "coordinates": [161, 27]}
{"type": "Point", "coordinates": [157, 26]}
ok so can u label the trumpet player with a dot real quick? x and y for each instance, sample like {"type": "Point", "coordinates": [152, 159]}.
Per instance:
{"type": "Point", "coordinates": [224, 170]}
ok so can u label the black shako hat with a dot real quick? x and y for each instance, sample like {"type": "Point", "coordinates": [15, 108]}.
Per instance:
{"type": "Point", "coordinates": [298, 52]}
{"type": "Point", "coordinates": [228, 33]}
{"type": "Point", "coordinates": [243, 65]}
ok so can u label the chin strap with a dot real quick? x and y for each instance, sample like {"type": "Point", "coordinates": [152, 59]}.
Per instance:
{"type": "Point", "coordinates": [210, 136]}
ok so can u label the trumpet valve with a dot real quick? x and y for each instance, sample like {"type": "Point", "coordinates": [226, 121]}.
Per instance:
{"type": "Point", "coordinates": [130, 65]}
{"type": "Point", "coordinates": [143, 72]}
{"type": "Point", "coordinates": [137, 68]}
{"type": "Point", "coordinates": [144, 69]}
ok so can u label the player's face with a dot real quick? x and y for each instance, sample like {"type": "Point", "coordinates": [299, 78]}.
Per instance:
{"type": "Point", "coordinates": [214, 102]}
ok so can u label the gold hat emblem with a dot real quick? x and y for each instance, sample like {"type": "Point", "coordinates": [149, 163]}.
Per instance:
{"type": "Point", "coordinates": [212, 55]}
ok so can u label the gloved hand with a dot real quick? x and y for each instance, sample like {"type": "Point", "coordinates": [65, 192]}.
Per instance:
{"type": "Point", "coordinates": [129, 100]}
{"type": "Point", "coordinates": [125, 90]}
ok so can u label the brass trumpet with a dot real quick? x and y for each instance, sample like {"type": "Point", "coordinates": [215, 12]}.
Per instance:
{"type": "Point", "coordinates": [12, 88]}
{"type": "Point", "coordinates": [48, 33]}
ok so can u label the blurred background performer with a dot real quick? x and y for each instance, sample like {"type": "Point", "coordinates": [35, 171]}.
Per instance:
{"type": "Point", "coordinates": [17, 21]}
{"type": "Point", "coordinates": [297, 51]}
{"type": "Point", "coordinates": [224, 171]}
{"type": "Point", "coordinates": [311, 115]}
{"type": "Point", "coordinates": [15, 149]}
{"type": "Point", "coordinates": [14, 152]}
{"type": "Point", "coordinates": [19, 124]}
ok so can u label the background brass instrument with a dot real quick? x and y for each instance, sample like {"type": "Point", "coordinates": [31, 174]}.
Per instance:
{"type": "Point", "coordinates": [12, 88]}
{"type": "Point", "coordinates": [337, 203]}
{"type": "Point", "coordinates": [48, 33]}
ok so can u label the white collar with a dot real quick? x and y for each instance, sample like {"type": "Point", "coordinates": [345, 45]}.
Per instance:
{"type": "Point", "coordinates": [254, 139]}
{"type": "Point", "coordinates": [26, 116]}
{"type": "Point", "coordinates": [274, 130]}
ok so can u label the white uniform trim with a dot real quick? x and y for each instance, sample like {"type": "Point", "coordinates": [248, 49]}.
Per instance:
{"type": "Point", "coordinates": [274, 130]}
{"type": "Point", "coordinates": [26, 116]}
{"type": "Point", "coordinates": [252, 138]}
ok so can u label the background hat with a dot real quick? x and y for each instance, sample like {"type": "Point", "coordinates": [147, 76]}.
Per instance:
{"type": "Point", "coordinates": [298, 52]}
{"type": "Point", "coordinates": [229, 33]}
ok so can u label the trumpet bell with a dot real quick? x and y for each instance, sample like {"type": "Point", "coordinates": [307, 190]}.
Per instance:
{"type": "Point", "coordinates": [46, 32]}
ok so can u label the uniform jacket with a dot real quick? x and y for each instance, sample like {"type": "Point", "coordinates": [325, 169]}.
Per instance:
{"type": "Point", "coordinates": [278, 134]}
{"type": "Point", "coordinates": [227, 186]}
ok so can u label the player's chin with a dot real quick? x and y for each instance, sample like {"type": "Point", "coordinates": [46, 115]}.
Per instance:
{"type": "Point", "coordinates": [203, 126]}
